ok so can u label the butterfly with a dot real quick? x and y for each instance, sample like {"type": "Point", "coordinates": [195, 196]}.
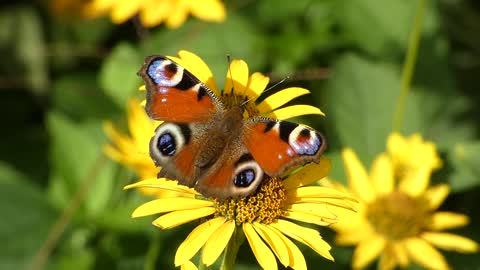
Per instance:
{"type": "Point", "coordinates": [204, 145]}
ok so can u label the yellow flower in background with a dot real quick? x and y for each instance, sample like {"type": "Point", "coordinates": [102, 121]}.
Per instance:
{"type": "Point", "coordinates": [154, 12]}
{"type": "Point", "coordinates": [397, 220]}
{"type": "Point", "coordinates": [133, 151]}
{"type": "Point", "coordinates": [411, 154]}
{"type": "Point", "coordinates": [265, 218]}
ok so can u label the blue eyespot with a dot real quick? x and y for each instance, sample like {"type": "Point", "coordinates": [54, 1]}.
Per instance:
{"type": "Point", "coordinates": [167, 145]}
{"type": "Point", "coordinates": [244, 178]}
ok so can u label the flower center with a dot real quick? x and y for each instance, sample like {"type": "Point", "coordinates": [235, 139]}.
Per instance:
{"type": "Point", "coordinates": [230, 100]}
{"type": "Point", "coordinates": [397, 215]}
{"type": "Point", "coordinates": [265, 205]}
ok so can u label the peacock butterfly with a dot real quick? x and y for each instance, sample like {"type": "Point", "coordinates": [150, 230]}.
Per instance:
{"type": "Point", "coordinates": [205, 145]}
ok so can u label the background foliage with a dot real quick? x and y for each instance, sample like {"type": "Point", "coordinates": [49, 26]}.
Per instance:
{"type": "Point", "coordinates": [62, 76]}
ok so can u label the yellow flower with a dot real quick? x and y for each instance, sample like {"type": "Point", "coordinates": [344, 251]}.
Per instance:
{"type": "Point", "coordinates": [397, 222]}
{"type": "Point", "coordinates": [154, 12]}
{"type": "Point", "coordinates": [410, 154]}
{"type": "Point", "coordinates": [264, 218]}
{"type": "Point", "coordinates": [132, 151]}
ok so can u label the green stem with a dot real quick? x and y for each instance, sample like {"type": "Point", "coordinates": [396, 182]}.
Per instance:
{"type": "Point", "coordinates": [53, 237]}
{"type": "Point", "coordinates": [409, 65]}
{"type": "Point", "coordinates": [230, 254]}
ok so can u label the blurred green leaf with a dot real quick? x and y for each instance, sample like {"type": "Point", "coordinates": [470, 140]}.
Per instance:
{"type": "Point", "coordinates": [118, 76]}
{"type": "Point", "coordinates": [360, 99]}
{"type": "Point", "coordinates": [79, 96]}
{"type": "Point", "coordinates": [26, 219]}
{"type": "Point", "coordinates": [465, 158]}
{"type": "Point", "coordinates": [76, 156]}
{"type": "Point", "coordinates": [379, 26]}
{"type": "Point", "coordinates": [30, 48]}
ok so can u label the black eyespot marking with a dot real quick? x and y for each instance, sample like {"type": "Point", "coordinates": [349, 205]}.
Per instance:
{"type": "Point", "coordinates": [269, 126]}
{"type": "Point", "coordinates": [166, 145]}
{"type": "Point", "coordinates": [244, 158]}
{"type": "Point", "coordinates": [305, 133]}
{"type": "Point", "coordinates": [285, 129]}
{"type": "Point", "coordinates": [244, 178]}
{"type": "Point", "coordinates": [201, 92]}
{"type": "Point", "coordinates": [186, 132]}
{"type": "Point", "coordinates": [187, 81]}
{"type": "Point", "coordinates": [171, 68]}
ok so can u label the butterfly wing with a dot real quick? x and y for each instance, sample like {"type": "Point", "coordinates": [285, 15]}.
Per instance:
{"type": "Point", "coordinates": [280, 145]}
{"type": "Point", "coordinates": [176, 95]}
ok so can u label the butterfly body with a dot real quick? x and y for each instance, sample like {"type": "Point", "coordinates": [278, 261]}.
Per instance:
{"type": "Point", "coordinates": [205, 145]}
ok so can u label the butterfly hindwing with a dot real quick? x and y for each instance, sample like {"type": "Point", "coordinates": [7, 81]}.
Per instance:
{"type": "Point", "coordinates": [279, 145]}
{"type": "Point", "coordinates": [176, 95]}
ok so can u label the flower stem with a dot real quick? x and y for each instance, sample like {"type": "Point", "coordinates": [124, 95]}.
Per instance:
{"type": "Point", "coordinates": [231, 251]}
{"type": "Point", "coordinates": [409, 65]}
{"type": "Point", "coordinates": [53, 237]}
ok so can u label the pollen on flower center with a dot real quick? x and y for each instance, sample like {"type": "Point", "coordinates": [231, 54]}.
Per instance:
{"type": "Point", "coordinates": [397, 215]}
{"type": "Point", "coordinates": [230, 100]}
{"type": "Point", "coordinates": [264, 206]}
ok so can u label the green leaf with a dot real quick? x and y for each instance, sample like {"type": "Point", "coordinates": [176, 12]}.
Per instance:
{"type": "Point", "coordinates": [118, 76]}
{"type": "Point", "coordinates": [76, 155]}
{"type": "Point", "coordinates": [79, 96]}
{"type": "Point", "coordinates": [465, 158]}
{"type": "Point", "coordinates": [26, 219]}
{"type": "Point", "coordinates": [380, 27]}
{"type": "Point", "coordinates": [360, 100]}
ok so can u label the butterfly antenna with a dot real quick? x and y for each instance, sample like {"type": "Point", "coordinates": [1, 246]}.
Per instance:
{"type": "Point", "coordinates": [266, 90]}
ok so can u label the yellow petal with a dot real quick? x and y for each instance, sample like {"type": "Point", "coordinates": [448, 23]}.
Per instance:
{"type": "Point", "coordinates": [448, 241]}
{"type": "Point", "coordinates": [208, 10]}
{"type": "Point", "coordinates": [123, 10]}
{"type": "Point", "coordinates": [280, 98]}
{"type": "Point", "coordinates": [297, 261]}
{"type": "Point", "coordinates": [188, 266]}
{"type": "Point", "coordinates": [200, 69]}
{"type": "Point", "coordinates": [169, 204]}
{"type": "Point", "coordinates": [417, 182]}
{"type": "Point", "coordinates": [217, 243]}
{"type": "Point", "coordinates": [323, 196]}
{"type": "Point", "coordinates": [196, 239]}
{"type": "Point", "coordinates": [274, 241]}
{"type": "Point", "coordinates": [357, 176]}
{"type": "Point", "coordinates": [162, 183]}
{"type": "Point", "coordinates": [436, 195]}
{"type": "Point", "coordinates": [237, 77]}
{"type": "Point", "coordinates": [294, 111]}
{"type": "Point", "coordinates": [319, 210]}
{"type": "Point", "coordinates": [139, 125]}
{"type": "Point", "coordinates": [447, 220]}
{"type": "Point", "coordinates": [309, 218]}
{"type": "Point", "coordinates": [177, 218]}
{"type": "Point", "coordinates": [387, 261]}
{"type": "Point", "coordinates": [400, 253]}
{"type": "Point", "coordinates": [307, 236]}
{"type": "Point", "coordinates": [382, 174]}
{"type": "Point", "coordinates": [264, 255]}
{"type": "Point", "coordinates": [142, 88]}
{"type": "Point", "coordinates": [425, 255]}
{"type": "Point", "coordinates": [367, 250]}
{"type": "Point", "coordinates": [177, 16]}
{"type": "Point", "coordinates": [308, 174]}
{"type": "Point", "coordinates": [155, 12]}
{"type": "Point", "coordinates": [256, 84]}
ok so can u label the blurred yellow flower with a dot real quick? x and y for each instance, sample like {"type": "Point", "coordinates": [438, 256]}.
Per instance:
{"type": "Point", "coordinates": [265, 218]}
{"type": "Point", "coordinates": [154, 12]}
{"type": "Point", "coordinates": [410, 154]}
{"type": "Point", "coordinates": [397, 221]}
